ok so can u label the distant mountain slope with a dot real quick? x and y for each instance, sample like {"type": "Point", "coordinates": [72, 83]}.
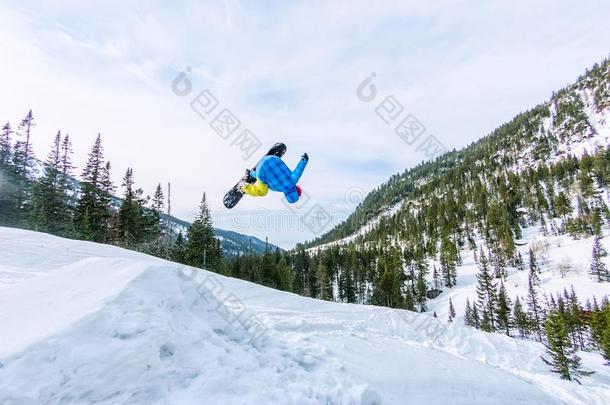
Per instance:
{"type": "Point", "coordinates": [575, 120]}
{"type": "Point", "coordinates": [232, 243]}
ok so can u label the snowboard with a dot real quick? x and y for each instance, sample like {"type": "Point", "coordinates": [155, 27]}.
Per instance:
{"type": "Point", "coordinates": [233, 196]}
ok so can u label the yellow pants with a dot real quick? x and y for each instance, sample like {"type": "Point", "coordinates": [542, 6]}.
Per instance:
{"type": "Point", "coordinates": [257, 189]}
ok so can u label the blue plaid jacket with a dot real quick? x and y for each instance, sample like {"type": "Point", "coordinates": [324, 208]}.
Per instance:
{"type": "Point", "coordinates": [272, 171]}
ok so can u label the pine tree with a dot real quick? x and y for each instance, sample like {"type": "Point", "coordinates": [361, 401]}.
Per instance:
{"type": "Point", "coordinates": [486, 294]}
{"type": "Point", "coordinates": [476, 319]}
{"type": "Point", "coordinates": [449, 259]}
{"type": "Point", "coordinates": [5, 147]}
{"type": "Point", "coordinates": [421, 286]}
{"type": "Point", "coordinates": [503, 310]}
{"type": "Point", "coordinates": [323, 282]}
{"type": "Point", "coordinates": [519, 262]}
{"type": "Point", "coordinates": [154, 225]}
{"type": "Point", "coordinates": [157, 205]}
{"type": "Point", "coordinates": [267, 273]}
{"type": "Point", "coordinates": [604, 341]}
{"type": "Point", "coordinates": [596, 222]}
{"type": "Point", "coordinates": [451, 311]}
{"type": "Point", "coordinates": [600, 328]}
{"type": "Point", "coordinates": [468, 314]}
{"type": "Point", "coordinates": [576, 319]}
{"type": "Point", "coordinates": [436, 278]}
{"type": "Point", "coordinates": [535, 311]}
{"type": "Point", "coordinates": [23, 164]}
{"type": "Point", "coordinates": [48, 199]}
{"type": "Point", "coordinates": [520, 319]}
{"type": "Point", "coordinates": [8, 184]}
{"type": "Point", "coordinates": [284, 275]}
{"type": "Point", "coordinates": [67, 191]}
{"type": "Point", "coordinates": [25, 130]}
{"type": "Point", "coordinates": [562, 205]}
{"type": "Point", "coordinates": [178, 248]}
{"type": "Point", "coordinates": [348, 286]}
{"type": "Point", "coordinates": [598, 269]}
{"type": "Point", "coordinates": [387, 290]}
{"type": "Point", "coordinates": [563, 358]}
{"type": "Point", "coordinates": [533, 267]}
{"type": "Point", "coordinates": [202, 249]}
{"type": "Point", "coordinates": [131, 222]}
{"type": "Point", "coordinates": [94, 204]}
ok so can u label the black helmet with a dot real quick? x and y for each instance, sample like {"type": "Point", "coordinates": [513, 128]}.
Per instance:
{"type": "Point", "coordinates": [279, 149]}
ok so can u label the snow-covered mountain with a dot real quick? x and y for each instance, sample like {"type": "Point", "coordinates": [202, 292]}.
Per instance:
{"type": "Point", "coordinates": [575, 121]}
{"type": "Point", "coordinates": [90, 323]}
{"type": "Point", "coordinates": [502, 193]}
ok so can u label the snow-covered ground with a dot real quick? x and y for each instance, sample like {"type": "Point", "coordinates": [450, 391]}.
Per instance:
{"type": "Point", "coordinates": [86, 323]}
{"type": "Point", "coordinates": [563, 263]}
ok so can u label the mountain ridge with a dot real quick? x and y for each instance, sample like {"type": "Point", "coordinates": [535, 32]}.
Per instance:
{"type": "Point", "coordinates": [400, 185]}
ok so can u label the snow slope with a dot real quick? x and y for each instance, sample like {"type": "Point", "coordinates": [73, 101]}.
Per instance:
{"type": "Point", "coordinates": [86, 323]}
{"type": "Point", "coordinates": [552, 254]}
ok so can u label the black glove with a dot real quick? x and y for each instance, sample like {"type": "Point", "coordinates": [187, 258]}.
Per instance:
{"type": "Point", "coordinates": [305, 157]}
{"type": "Point", "coordinates": [249, 178]}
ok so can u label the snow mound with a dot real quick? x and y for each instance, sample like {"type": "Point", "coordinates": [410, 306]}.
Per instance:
{"type": "Point", "coordinates": [88, 323]}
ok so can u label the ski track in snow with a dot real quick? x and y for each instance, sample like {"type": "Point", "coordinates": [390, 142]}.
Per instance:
{"type": "Point", "coordinates": [89, 323]}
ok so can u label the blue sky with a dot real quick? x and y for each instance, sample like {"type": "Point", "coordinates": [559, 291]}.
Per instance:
{"type": "Point", "coordinates": [289, 71]}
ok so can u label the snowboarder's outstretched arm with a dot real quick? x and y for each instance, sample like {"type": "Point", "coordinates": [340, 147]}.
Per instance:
{"type": "Point", "coordinates": [298, 171]}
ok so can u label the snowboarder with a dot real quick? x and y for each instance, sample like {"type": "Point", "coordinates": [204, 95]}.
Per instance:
{"type": "Point", "coordinates": [271, 173]}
